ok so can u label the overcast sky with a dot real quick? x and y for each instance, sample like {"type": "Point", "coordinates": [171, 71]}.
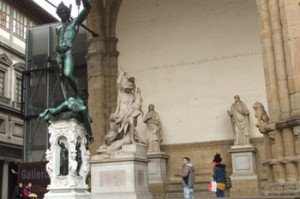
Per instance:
{"type": "Point", "coordinates": [52, 10]}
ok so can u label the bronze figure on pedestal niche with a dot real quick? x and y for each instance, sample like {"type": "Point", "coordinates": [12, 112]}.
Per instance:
{"type": "Point", "coordinates": [78, 157]}
{"type": "Point", "coordinates": [64, 160]}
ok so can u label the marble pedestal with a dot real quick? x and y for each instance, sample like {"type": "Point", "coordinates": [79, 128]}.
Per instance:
{"type": "Point", "coordinates": [243, 171]}
{"type": "Point", "coordinates": [157, 172]}
{"type": "Point", "coordinates": [157, 168]}
{"type": "Point", "coordinates": [122, 175]}
{"type": "Point", "coordinates": [70, 185]}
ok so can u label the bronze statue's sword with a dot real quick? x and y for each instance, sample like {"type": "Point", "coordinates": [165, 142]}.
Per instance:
{"type": "Point", "coordinates": [94, 34]}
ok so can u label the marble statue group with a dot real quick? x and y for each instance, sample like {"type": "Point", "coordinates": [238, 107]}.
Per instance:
{"type": "Point", "coordinates": [123, 121]}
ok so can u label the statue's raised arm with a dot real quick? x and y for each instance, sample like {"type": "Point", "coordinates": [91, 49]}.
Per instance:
{"type": "Point", "coordinates": [84, 12]}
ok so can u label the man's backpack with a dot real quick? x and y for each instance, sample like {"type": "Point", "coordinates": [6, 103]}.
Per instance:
{"type": "Point", "coordinates": [228, 184]}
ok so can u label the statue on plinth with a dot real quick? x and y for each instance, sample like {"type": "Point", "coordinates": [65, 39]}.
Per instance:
{"type": "Point", "coordinates": [239, 115]}
{"type": "Point", "coordinates": [154, 130]}
{"type": "Point", "coordinates": [70, 131]}
{"type": "Point", "coordinates": [123, 121]}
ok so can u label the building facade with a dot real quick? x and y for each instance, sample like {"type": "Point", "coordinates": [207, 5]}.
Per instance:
{"type": "Point", "coordinates": [15, 19]}
{"type": "Point", "coordinates": [190, 58]}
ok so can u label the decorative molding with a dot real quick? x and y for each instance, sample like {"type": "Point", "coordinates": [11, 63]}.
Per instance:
{"type": "Point", "coordinates": [19, 66]}
{"type": "Point", "coordinates": [218, 143]}
{"type": "Point", "coordinates": [19, 54]}
{"type": "Point", "coordinates": [5, 100]}
{"type": "Point", "coordinates": [289, 123]}
{"type": "Point", "coordinates": [4, 59]}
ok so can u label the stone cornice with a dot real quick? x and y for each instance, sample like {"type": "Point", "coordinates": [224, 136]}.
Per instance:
{"type": "Point", "coordinates": [21, 55]}
{"type": "Point", "coordinates": [98, 159]}
{"type": "Point", "coordinates": [103, 39]}
{"type": "Point", "coordinates": [282, 160]}
{"type": "Point", "coordinates": [289, 123]}
{"type": "Point", "coordinates": [157, 155]}
{"type": "Point", "coordinates": [113, 53]}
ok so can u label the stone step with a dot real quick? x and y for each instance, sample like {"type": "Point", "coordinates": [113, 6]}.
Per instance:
{"type": "Point", "coordinates": [198, 186]}
{"type": "Point", "coordinates": [246, 197]}
{"type": "Point", "coordinates": [175, 191]}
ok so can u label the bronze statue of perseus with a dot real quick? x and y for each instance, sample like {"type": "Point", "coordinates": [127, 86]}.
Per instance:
{"type": "Point", "coordinates": [66, 34]}
{"type": "Point", "coordinates": [72, 107]}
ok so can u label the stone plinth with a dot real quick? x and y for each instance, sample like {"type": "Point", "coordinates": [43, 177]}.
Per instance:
{"type": "Point", "coordinates": [243, 171]}
{"type": "Point", "coordinates": [122, 175]}
{"type": "Point", "coordinates": [71, 183]}
{"type": "Point", "coordinates": [157, 172]}
{"type": "Point", "coordinates": [157, 168]}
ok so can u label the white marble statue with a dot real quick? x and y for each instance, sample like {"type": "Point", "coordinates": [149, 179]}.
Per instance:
{"type": "Point", "coordinates": [123, 121]}
{"type": "Point", "coordinates": [239, 115]}
{"type": "Point", "coordinates": [154, 130]}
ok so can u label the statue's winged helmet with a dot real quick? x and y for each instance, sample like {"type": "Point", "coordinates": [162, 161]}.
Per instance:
{"type": "Point", "coordinates": [62, 7]}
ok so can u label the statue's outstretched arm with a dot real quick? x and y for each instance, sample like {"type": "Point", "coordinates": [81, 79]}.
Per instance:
{"type": "Point", "coordinates": [84, 13]}
{"type": "Point", "coordinates": [61, 108]}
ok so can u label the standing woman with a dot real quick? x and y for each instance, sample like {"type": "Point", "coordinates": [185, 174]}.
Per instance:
{"type": "Point", "coordinates": [219, 175]}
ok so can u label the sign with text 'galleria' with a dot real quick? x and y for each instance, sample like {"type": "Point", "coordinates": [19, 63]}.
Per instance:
{"type": "Point", "coordinates": [35, 172]}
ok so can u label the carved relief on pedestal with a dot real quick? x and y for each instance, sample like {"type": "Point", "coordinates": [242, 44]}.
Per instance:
{"type": "Point", "coordinates": [68, 157]}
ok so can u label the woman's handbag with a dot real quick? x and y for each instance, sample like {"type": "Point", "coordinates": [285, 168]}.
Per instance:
{"type": "Point", "coordinates": [228, 184]}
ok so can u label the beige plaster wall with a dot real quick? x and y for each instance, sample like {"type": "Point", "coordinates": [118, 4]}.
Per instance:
{"type": "Point", "coordinates": [190, 57]}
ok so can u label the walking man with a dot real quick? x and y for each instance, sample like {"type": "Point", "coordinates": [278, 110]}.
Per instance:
{"type": "Point", "coordinates": [188, 178]}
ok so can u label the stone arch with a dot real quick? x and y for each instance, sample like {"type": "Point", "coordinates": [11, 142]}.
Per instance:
{"type": "Point", "coordinates": [103, 16]}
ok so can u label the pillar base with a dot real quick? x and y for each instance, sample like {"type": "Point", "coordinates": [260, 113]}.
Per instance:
{"type": "Point", "coordinates": [157, 172]}
{"type": "Point", "coordinates": [244, 171]}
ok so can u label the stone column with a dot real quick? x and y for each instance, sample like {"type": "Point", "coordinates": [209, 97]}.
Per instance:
{"type": "Point", "coordinates": [102, 61]}
{"type": "Point", "coordinates": [268, 156]}
{"type": "Point", "coordinates": [291, 39]}
{"type": "Point", "coordinates": [5, 183]}
{"type": "Point", "coordinates": [280, 40]}
{"type": "Point", "coordinates": [270, 82]}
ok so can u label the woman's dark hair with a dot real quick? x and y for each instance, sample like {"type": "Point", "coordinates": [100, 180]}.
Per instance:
{"type": "Point", "coordinates": [217, 158]}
